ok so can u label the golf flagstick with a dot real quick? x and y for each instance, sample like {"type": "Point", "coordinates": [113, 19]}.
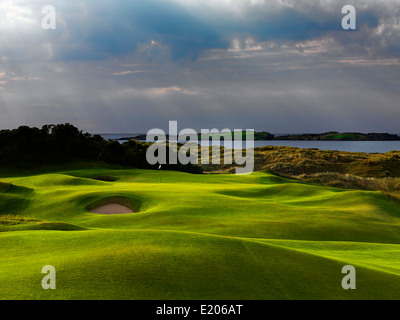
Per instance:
{"type": "Point", "coordinates": [159, 168]}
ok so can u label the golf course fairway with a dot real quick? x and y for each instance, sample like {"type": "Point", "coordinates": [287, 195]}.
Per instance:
{"type": "Point", "coordinates": [189, 236]}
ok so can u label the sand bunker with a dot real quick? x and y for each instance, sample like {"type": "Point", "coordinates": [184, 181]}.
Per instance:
{"type": "Point", "coordinates": [112, 208]}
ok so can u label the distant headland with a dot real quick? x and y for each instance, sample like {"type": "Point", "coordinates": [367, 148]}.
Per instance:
{"type": "Point", "coordinates": [345, 136]}
{"type": "Point", "coordinates": [327, 136]}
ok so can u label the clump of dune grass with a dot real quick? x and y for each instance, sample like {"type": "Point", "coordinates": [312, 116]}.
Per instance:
{"type": "Point", "coordinates": [348, 181]}
{"type": "Point", "coordinates": [8, 219]}
{"type": "Point", "coordinates": [291, 161]}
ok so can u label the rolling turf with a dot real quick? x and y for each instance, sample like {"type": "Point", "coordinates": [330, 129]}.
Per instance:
{"type": "Point", "coordinates": [195, 237]}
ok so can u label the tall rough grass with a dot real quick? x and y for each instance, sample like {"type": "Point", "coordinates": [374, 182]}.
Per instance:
{"type": "Point", "coordinates": [14, 219]}
{"type": "Point", "coordinates": [348, 181]}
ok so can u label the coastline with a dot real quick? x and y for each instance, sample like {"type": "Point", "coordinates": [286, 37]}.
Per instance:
{"type": "Point", "coordinates": [327, 136]}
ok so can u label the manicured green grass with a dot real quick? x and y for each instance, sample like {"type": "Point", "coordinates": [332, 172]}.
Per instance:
{"type": "Point", "coordinates": [195, 237]}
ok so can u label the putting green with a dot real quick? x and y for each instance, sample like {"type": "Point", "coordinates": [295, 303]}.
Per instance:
{"type": "Point", "coordinates": [195, 237]}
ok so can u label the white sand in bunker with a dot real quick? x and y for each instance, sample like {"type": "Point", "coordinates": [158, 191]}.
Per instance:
{"type": "Point", "coordinates": [112, 208]}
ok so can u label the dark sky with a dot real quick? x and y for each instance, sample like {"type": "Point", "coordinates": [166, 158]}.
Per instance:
{"type": "Point", "coordinates": [130, 66]}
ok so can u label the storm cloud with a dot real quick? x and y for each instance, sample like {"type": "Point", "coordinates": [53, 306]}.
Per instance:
{"type": "Point", "coordinates": [129, 66]}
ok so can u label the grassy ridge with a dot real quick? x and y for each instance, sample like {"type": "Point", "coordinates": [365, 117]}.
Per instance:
{"type": "Point", "coordinates": [196, 237]}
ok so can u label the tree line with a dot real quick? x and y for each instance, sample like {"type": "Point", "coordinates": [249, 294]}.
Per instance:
{"type": "Point", "coordinates": [27, 147]}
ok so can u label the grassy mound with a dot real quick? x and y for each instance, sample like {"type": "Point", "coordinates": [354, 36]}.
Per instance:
{"type": "Point", "coordinates": [16, 223]}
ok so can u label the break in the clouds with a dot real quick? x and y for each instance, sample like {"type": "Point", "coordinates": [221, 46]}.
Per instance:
{"type": "Point", "coordinates": [132, 65]}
